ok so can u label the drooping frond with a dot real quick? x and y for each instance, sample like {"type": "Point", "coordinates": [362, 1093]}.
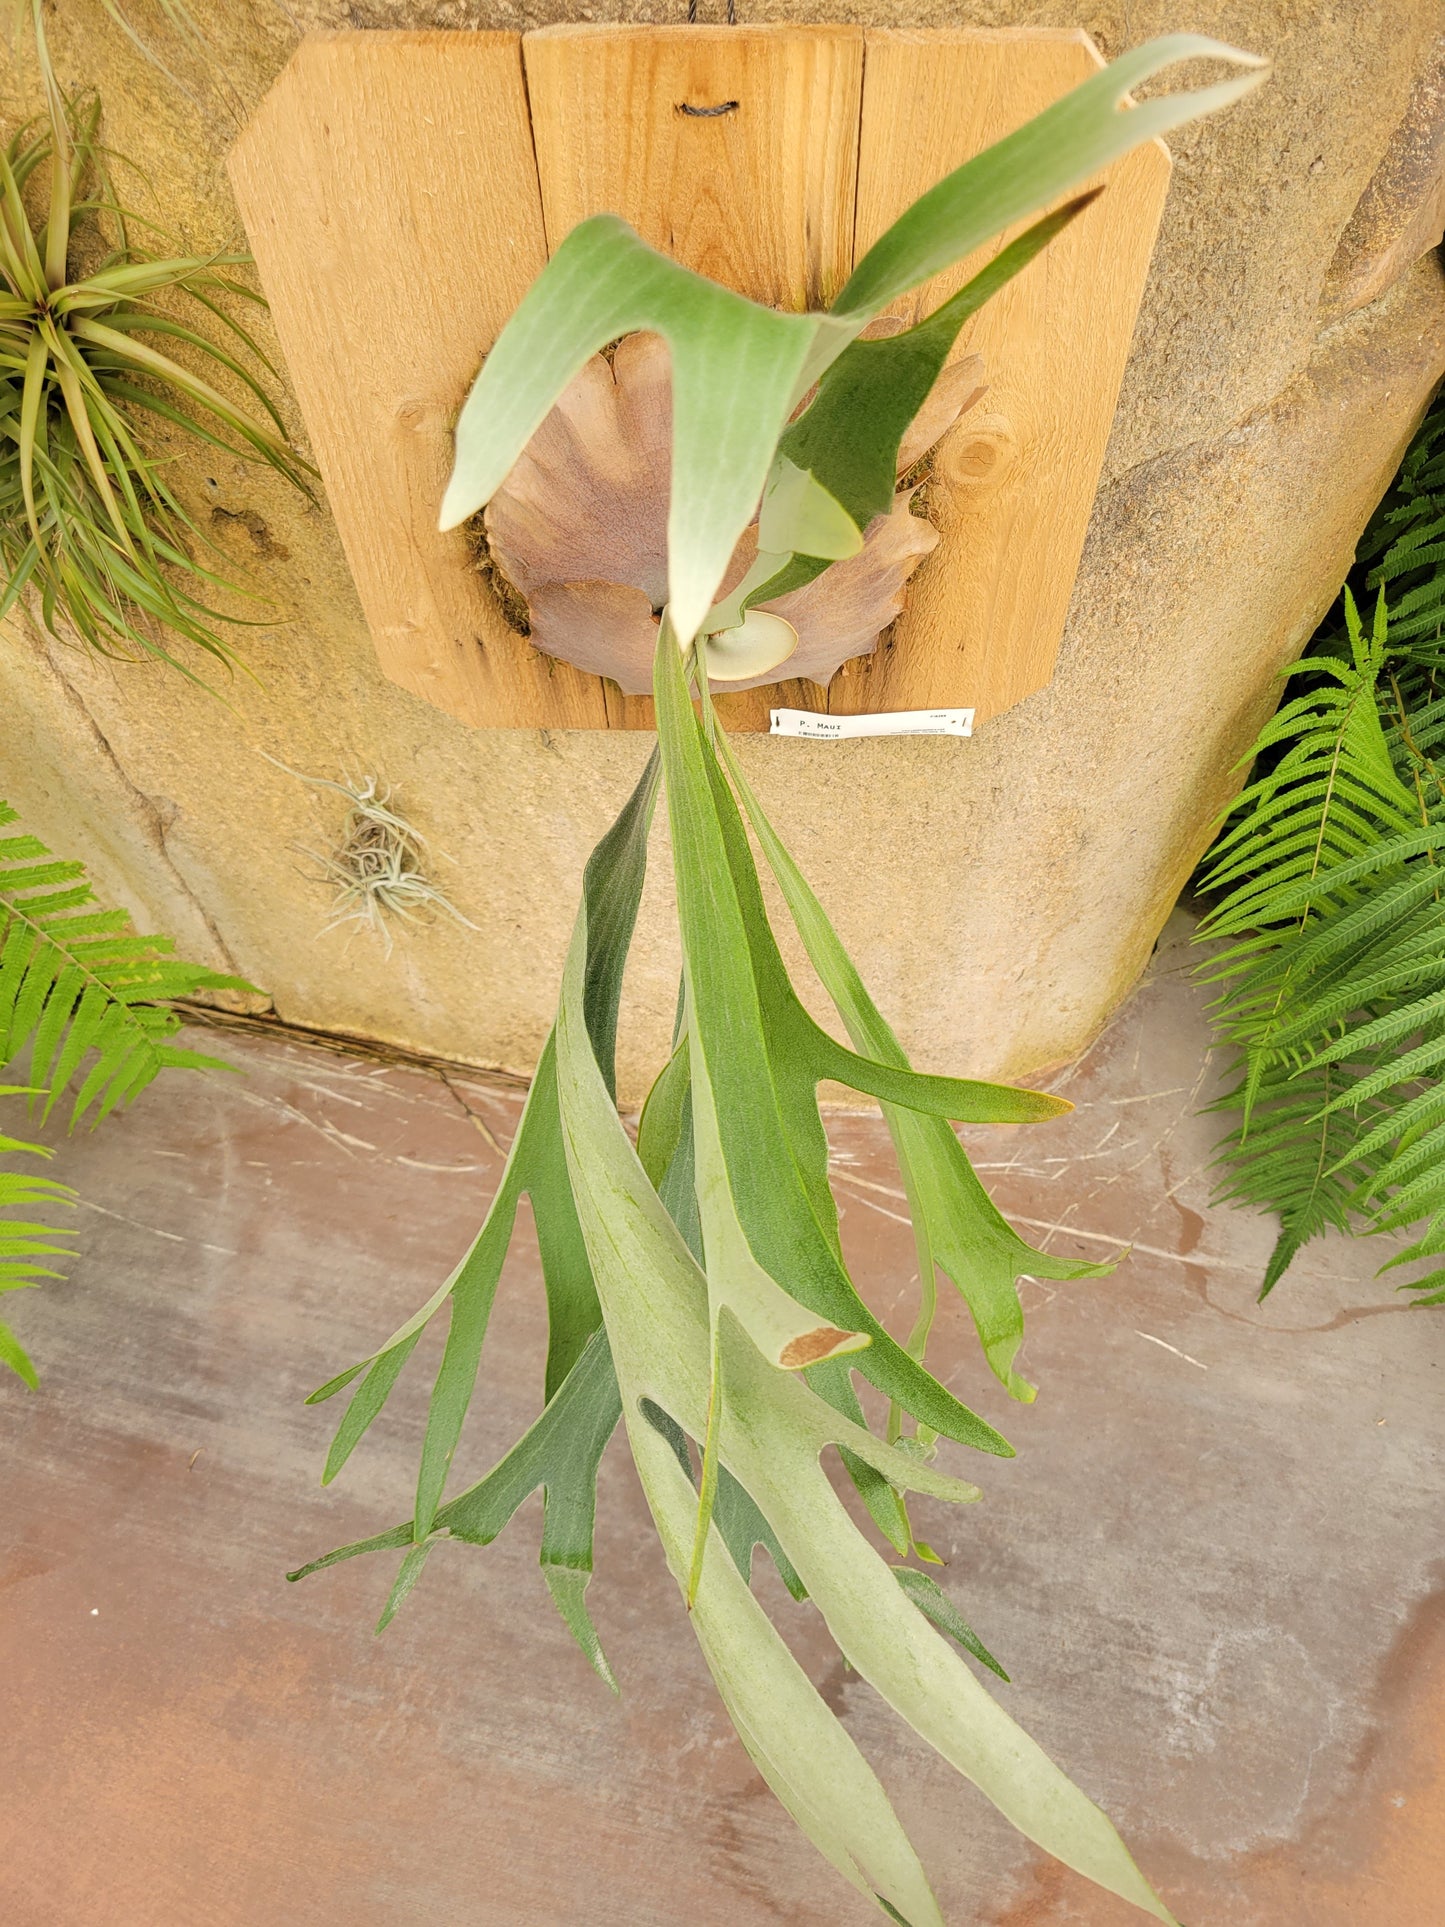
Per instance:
{"type": "Point", "coordinates": [88, 996]}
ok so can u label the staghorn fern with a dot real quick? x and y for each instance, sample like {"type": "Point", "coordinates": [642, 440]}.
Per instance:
{"type": "Point", "coordinates": [1334, 973]}
{"type": "Point", "coordinates": [696, 1285]}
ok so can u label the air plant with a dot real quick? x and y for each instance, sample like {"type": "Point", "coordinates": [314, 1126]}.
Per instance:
{"type": "Point", "coordinates": [377, 865]}
{"type": "Point", "coordinates": [88, 519]}
{"type": "Point", "coordinates": [695, 1282]}
{"type": "Point", "coordinates": [178, 18]}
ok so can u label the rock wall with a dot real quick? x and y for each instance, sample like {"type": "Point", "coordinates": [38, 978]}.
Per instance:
{"type": "Point", "coordinates": [1002, 893]}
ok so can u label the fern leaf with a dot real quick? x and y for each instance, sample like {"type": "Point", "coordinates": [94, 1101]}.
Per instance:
{"type": "Point", "coordinates": [1404, 1069]}
{"type": "Point", "coordinates": [23, 1240]}
{"type": "Point", "coordinates": [90, 998]}
{"type": "Point", "coordinates": [1332, 979]}
{"type": "Point", "coordinates": [1422, 1155]}
{"type": "Point", "coordinates": [1421, 1112]}
{"type": "Point", "coordinates": [85, 993]}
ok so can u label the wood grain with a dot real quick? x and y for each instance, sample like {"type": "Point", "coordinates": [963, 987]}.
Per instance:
{"type": "Point", "coordinates": [389, 191]}
{"type": "Point", "coordinates": [760, 197]}
{"type": "Point", "coordinates": [1014, 489]}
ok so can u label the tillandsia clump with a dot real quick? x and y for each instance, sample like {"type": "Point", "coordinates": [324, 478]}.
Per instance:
{"type": "Point", "coordinates": [91, 327]}
{"type": "Point", "coordinates": [376, 866]}
{"type": "Point", "coordinates": [695, 1282]}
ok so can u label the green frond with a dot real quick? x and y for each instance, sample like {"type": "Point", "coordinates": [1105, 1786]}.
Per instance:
{"type": "Point", "coordinates": [1400, 1122]}
{"type": "Point", "coordinates": [88, 997]}
{"type": "Point", "coordinates": [1424, 1156]}
{"type": "Point", "coordinates": [1405, 1067]}
{"type": "Point", "coordinates": [1329, 886]}
{"type": "Point", "coordinates": [1393, 1027]}
{"type": "Point", "coordinates": [89, 1000]}
{"type": "Point", "coordinates": [25, 1241]}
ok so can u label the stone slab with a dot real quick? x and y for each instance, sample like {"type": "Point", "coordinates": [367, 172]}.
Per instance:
{"type": "Point", "coordinates": [1214, 1569]}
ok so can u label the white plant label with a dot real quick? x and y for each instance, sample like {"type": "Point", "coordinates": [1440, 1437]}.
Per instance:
{"type": "Point", "coordinates": [901, 722]}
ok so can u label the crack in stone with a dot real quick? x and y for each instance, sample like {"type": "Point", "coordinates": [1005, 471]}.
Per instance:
{"type": "Point", "coordinates": [1323, 341]}
{"type": "Point", "coordinates": [151, 818]}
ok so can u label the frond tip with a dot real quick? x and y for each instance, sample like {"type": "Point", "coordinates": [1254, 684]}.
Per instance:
{"type": "Point", "coordinates": [23, 1241]}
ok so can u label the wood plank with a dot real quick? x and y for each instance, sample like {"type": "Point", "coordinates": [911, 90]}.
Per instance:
{"type": "Point", "coordinates": [1014, 491]}
{"type": "Point", "coordinates": [760, 197]}
{"type": "Point", "coordinates": [389, 191]}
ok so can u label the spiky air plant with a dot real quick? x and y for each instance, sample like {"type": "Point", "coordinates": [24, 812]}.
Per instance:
{"type": "Point", "coordinates": [91, 325]}
{"type": "Point", "coordinates": [695, 1281]}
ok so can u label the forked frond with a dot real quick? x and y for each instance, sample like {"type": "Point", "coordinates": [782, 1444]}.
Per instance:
{"type": "Point", "coordinates": [697, 1286]}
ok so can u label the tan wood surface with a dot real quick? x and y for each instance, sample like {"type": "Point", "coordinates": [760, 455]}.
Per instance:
{"type": "Point", "coordinates": [388, 188]}
{"type": "Point", "coordinates": [760, 197]}
{"type": "Point", "coordinates": [1014, 488]}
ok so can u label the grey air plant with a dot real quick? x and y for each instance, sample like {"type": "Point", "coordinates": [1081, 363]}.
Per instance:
{"type": "Point", "coordinates": [695, 1282]}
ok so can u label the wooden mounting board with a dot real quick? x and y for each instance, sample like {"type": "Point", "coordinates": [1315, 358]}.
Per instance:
{"type": "Point", "coordinates": [399, 200]}
{"type": "Point", "coordinates": [986, 612]}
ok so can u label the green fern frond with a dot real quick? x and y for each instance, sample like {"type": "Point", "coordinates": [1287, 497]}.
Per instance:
{"type": "Point", "coordinates": [1394, 1027]}
{"type": "Point", "coordinates": [1422, 1159]}
{"type": "Point", "coordinates": [85, 993]}
{"type": "Point", "coordinates": [1329, 886]}
{"type": "Point", "coordinates": [23, 1241]}
{"type": "Point", "coordinates": [1404, 545]}
{"type": "Point", "coordinates": [1294, 1158]}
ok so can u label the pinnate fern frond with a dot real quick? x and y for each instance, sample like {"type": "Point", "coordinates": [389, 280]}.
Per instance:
{"type": "Point", "coordinates": [88, 996]}
{"type": "Point", "coordinates": [1404, 546]}
{"type": "Point", "coordinates": [24, 1243]}
{"type": "Point", "coordinates": [1332, 874]}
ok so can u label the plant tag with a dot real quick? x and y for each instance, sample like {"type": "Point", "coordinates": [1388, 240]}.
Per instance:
{"type": "Point", "coordinates": [901, 722]}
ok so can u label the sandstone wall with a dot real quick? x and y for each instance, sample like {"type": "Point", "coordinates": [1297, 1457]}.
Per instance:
{"type": "Point", "coordinates": [1002, 893]}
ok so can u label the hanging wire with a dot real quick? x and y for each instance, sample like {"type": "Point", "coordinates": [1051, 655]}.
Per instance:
{"type": "Point", "coordinates": [692, 13]}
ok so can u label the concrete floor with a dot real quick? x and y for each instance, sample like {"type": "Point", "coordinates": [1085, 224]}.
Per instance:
{"type": "Point", "coordinates": [1215, 1570]}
